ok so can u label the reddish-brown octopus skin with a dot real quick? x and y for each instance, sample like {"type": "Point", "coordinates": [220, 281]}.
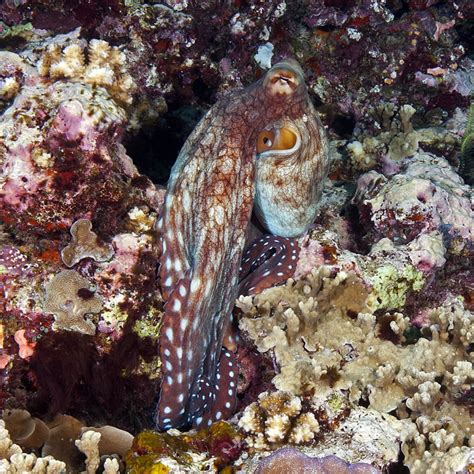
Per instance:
{"type": "Point", "coordinates": [202, 232]}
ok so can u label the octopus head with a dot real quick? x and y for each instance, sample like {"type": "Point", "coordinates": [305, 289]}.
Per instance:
{"type": "Point", "coordinates": [284, 78]}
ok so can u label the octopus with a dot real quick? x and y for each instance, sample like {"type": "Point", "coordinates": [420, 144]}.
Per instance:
{"type": "Point", "coordinates": [263, 148]}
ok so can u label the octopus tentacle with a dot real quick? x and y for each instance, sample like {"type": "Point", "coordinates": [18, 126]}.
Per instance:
{"type": "Point", "coordinates": [223, 396]}
{"type": "Point", "coordinates": [269, 261]}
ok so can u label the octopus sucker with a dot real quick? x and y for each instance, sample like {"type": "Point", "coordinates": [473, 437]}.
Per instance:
{"type": "Point", "coordinates": [208, 205]}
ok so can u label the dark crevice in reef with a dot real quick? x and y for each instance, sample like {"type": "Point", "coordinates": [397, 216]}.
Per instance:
{"type": "Point", "coordinates": [343, 125]}
{"type": "Point", "coordinates": [465, 31]}
{"type": "Point", "coordinates": [155, 149]}
{"type": "Point", "coordinates": [398, 8]}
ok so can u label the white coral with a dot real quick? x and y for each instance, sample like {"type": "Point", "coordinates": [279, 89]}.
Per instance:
{"type": "Point", "coordinates": [463, 373]}
{"type": "Point", "coordinates": [89, 445]}
{"type": "Point", "coordinates": [305, 429]}
{"type": "Point", "coordinates": [249, 420]}
{"type": "Point", "coordinates": [276, 427]}
{"type": "Point", "coordinates": [14, 461]}
{"type": "Point", "coordinates": [427, 395]}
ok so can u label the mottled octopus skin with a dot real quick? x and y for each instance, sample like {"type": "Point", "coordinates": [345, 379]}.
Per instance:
{"type": "Point", "coordinates": [290, 181]}
{"type": "Point", "coordinates": [202, 231]}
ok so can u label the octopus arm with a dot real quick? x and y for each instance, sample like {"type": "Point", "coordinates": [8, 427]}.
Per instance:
{"type": "Point", "coordinates": [207, 210]}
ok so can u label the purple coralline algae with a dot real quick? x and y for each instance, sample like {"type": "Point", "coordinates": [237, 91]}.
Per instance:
{"type": "Point", "coordinates": [426, 195]}
{"type": "Point", "coordinates": [70, 196]}
{"type": "Point", "coordinates": [61, 137]}
{"type": "Point", "coordinates": [292, 460]}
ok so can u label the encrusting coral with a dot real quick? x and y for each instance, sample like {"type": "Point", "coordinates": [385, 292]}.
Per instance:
{"type": "Point", "coordinates": [85, 244]}
{"type": "Point", "coordinates": [70, 297]}
{"type": "Point", "coordinates": [292, 460]}
{"type": "Point", "coordinates": [209, 449]}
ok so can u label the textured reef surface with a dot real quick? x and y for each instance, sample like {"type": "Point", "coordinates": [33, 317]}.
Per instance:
{"type": "Point", "coordinates": [353, 356]}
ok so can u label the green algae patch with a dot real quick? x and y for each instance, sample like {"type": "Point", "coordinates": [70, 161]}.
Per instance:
{"type": "Point", "coordinates": [392, 285]}
{"type": "Point", "coordinates": [210, 449]}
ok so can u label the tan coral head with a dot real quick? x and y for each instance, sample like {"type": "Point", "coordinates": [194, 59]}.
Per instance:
{"type": "Point", "coordinates": [284, 78]}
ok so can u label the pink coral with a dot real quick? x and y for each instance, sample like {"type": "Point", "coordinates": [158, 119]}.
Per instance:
{"type": "Point", "coordinates": [27, 348]}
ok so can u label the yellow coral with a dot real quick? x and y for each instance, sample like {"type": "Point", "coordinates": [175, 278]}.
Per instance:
{"type": "Point", "coordinates": [277, 418]}
{"type": "Point", "coordinates": [98, 64]}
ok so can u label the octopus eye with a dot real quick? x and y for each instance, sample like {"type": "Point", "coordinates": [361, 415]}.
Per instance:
{"type": "Point", "coordinates": [280, 139]}
{"type": "Point", "coordinates": [265, 141]}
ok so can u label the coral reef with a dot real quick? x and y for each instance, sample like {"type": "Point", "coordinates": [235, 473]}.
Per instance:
{"type": "Point", "coordinates": [354, 434]}
{"type": "Point", "coordinates": [427, 195]}
{"type": "Point", "coordinates": [67, 333]}
{"type": "Point", "coordinates": [324, 338]}
{"type": "Point", "coordinates": [60, 442]}
{"type": "Point", "coordinates": [61, 137]}
{"type": "Point", "coordinates": [12, 458]}
{"type": "Point", "coordinates": [368, 345]}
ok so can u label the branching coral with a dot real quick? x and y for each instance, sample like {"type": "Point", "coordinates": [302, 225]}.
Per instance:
{"type": "Point", "coordinates": [89, 445]}
{"type": "Point", "coordinates": [70, 297]}
{"type": "Point", "coordinates": [85, 244]}
{"type": "Point", "coordinates": [277, 418]}
{"type": "Point", "coordinates": [62, 442]}
{"type": "Point", "coordinates": [353, 434]}
{"type": "Point", "coordinates": [14, 461]}
{"type": "Point", "coordinates": [320, 345]}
